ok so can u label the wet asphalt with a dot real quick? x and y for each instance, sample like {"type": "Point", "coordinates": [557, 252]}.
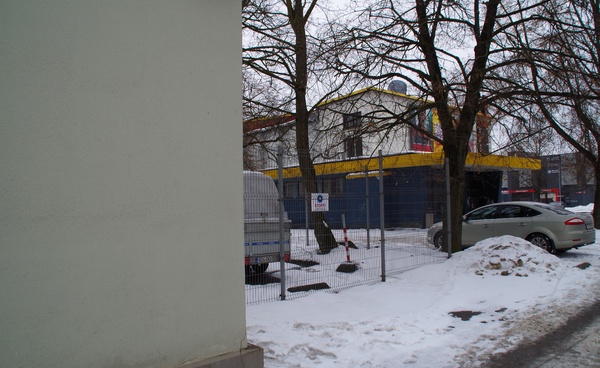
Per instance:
{"type": "Point", "coordinates": [577, 344]}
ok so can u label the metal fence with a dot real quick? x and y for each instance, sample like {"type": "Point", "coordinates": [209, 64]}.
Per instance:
{"type": "Point", "coordinates": [406, 202]}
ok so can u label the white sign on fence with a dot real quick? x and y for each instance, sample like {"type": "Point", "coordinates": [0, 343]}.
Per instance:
{"type": "Point", "coordinates": [320, 202]}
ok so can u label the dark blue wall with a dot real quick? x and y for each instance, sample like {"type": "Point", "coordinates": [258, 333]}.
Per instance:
{"type": "Point", "coordinates": [410, 194]}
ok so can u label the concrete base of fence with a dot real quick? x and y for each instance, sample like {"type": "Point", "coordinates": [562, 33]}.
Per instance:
{"type": "Point", "coordinates": [318, 286]}
{"type": "Point", "coordinates": [347, 267]}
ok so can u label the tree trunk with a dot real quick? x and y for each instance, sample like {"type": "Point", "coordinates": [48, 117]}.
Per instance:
{"type": "Point", "coordinates": [596, 210]}
{"type": "Point", "coordinates": [456, 155]}
{"type": "Point", "coordinates": [323, 233]}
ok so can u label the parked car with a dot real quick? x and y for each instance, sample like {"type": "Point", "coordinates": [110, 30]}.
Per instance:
{"type": "Point", "coordinates": [550, 227]}
{"type": "Point", "coordinates": [262, 224]}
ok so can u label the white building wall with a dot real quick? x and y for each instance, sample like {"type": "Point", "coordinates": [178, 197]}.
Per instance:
{"type": "Point", "coordinates": [376, 109]}
{"type": "Point", "coordinates": [121, 191]}
{"type": "Point", "coordinates": [327, 133]}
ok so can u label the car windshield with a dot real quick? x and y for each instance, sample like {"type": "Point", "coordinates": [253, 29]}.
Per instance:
{"type": "Point", "coordinates": [557, 210]}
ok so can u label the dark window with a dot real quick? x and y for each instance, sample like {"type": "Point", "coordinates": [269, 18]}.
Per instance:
{"type": "Point", "coordinates": [352, 121]}
{"type": "Point", "coordinates": [290, 189]}
{"type": "Point", "coordinates": [333, 186]}
{"type": "Point", "coordinates": [293, 189]}
{"type": "Point", "coordinates": [354, 147]}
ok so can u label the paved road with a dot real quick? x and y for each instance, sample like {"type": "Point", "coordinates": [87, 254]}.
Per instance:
{"type": "Point", "coordinates": [575, 345]}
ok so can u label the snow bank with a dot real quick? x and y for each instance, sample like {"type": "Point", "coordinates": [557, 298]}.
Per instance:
{"type": "Point", "coordinates": [587, 208]}
{"type": "Point", "coordinates": [511, 290]}
{"type": "Point", "coordinates": [507, 256]}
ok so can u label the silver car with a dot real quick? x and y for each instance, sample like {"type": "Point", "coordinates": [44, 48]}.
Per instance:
{"type": "Point", "coordinates": [550, 227]}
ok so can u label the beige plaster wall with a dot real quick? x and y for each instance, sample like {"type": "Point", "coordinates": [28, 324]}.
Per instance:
{"type": "Point", "coordinates": [120, 189]}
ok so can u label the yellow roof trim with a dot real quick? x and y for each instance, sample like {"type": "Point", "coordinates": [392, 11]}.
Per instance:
{"type": "Point", "coordinates": [474, 161]}
{"type": "Point", "coordinates": [364, 90]}
{"type": "Point", "coordinates": [382, 90]}
{"type": "Point", "coordinates": [362, 175]}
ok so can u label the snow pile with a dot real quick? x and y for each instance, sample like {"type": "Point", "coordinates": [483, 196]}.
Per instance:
{"type": "Point", "coordinates": [587, 208]}
{"type": "Point", "coordinates": [506, 256]}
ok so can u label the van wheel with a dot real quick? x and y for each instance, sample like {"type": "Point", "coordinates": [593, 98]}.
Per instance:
{"type": "Point", "coordinates": [542, 241]}
{"type": "Point", "coordinates": [256, 269]}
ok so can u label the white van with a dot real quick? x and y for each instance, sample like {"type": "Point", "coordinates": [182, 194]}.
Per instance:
{"type": "Point", "coordinates": [261, 223]}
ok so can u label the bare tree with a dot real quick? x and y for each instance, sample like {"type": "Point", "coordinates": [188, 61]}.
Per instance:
{"type": "Point", "coordinates": [561, 55]}
{"type": "Point", "coordinates": [526, 133]}
{"type": "Point", "coordinates": [282, 54]}
{"type": "Point", "coordinates": [448, 54]}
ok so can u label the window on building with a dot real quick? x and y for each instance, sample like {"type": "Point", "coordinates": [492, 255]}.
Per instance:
{"type": "Point", "coordinates": [333, 186]}
{"type": "Point", "coordinates": [352, 121]}
{"type": "Point", "coordinates": [290, 189]}
{"type": "Point", "coordinates": [525, 180]}
{"type": "Point", "coordinates": [293, 189]}
{"type": "Point", "coordinates": [354, 147]}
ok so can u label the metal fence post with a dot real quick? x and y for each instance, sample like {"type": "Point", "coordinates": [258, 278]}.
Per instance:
{"type": "Point", "coordinates": [381, 216]}
{"type": "Point", "coordinates": [448, 208]}
{"type": "Point", "coordinates": [306, 214]}
{"type": "Point", "coordinates": [281, 220]}
{"type": "Point", "coordinates": [367, 207]}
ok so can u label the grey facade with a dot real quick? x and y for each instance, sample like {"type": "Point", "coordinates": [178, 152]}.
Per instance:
{"type": "Point", "coordinates": [111, 112]}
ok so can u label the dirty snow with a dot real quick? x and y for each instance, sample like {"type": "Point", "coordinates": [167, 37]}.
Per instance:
{"type": "Point", "coordinates": [482, 301]}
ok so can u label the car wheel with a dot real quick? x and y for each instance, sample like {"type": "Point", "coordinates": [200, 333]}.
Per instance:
{"type": "Point", "coordinates": [437, 241]}
{"type": "Point", "coordinates": [542, 241]}
{"type": "Point", "coordinates": [256, 269]}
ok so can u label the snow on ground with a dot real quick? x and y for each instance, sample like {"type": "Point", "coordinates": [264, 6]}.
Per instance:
{"type": "Point", "coordinates": [482, 301]}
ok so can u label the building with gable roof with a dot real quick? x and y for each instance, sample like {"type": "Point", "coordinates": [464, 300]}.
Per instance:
{"type": "Point", "coordinates": [347, 135]}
